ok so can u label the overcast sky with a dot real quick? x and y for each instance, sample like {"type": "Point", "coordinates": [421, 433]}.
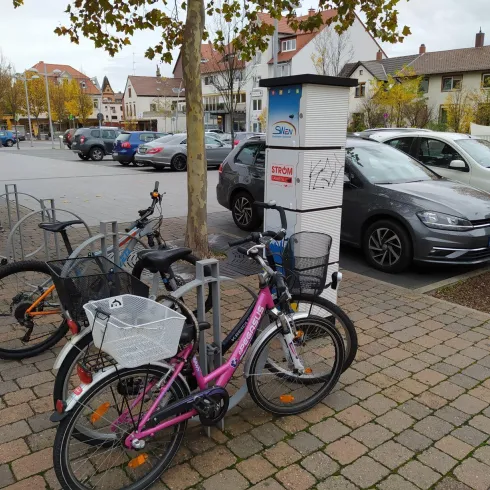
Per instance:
{"type": "Point", "coordinates": [26, 36]}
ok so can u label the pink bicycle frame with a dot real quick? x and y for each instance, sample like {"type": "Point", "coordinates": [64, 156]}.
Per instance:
{"type": "Point", "coordinates": [222, 375]}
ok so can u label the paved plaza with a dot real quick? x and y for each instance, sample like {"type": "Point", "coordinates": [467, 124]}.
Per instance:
{"type": "Point", "coordinates": [413, 412]}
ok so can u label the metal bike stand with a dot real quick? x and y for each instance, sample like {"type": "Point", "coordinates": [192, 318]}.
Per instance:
{"type": "Point", "coordinates": [210, 356]}
{"type": "Point", "coordinates": [106, 236]}
{"type": "Point", "coordinates": [10, 248]}
{"type": "Point", "coordinates": [45, 213]}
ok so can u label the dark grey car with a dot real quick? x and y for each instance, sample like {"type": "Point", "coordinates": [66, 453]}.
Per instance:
{"type": "Point", "coordinates": [394, 208]}
{"type": "Point", "coordinates": [94, 143]}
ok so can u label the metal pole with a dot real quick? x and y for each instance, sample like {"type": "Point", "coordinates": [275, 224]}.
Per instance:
{"type": "Point", "coordinates": [49, 106]}
{"type": "Point", "coordinates": [28, 110]}
{"type": "Point", "coordinates": [177, 109]}
{"type": "Point", "coordinates": [275, 46]}
{"type": "Point", "coordinates": [100, 121]}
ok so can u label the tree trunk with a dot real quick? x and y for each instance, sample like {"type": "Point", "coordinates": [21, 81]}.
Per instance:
{"type": "Point", "coordinates": [197, 229]}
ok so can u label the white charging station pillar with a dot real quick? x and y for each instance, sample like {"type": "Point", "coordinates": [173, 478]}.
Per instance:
{"type": "Point", "coordinates": [305, 155]}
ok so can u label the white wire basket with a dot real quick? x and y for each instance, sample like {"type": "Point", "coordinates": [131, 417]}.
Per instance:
{"type": "Point", "coordinates": [134, 330]}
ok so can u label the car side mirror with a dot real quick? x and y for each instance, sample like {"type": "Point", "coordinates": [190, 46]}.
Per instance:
{"type": "Point", "coordinates": [458, 165]}
{"type": "Point", "coordinates": [346, 179]}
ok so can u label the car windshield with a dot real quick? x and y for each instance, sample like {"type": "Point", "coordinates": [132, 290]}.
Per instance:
{"type": "Point", "coordinates": [123, 137]}
{"type": "Point", "coordinates": [165, 139]}
{"type": "Point", "coordinates": [479, 150]}
{"type": "Point", "coordinates": [381, 164]}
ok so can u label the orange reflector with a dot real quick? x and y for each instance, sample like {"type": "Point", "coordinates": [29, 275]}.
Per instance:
{"type": "Point", "coordinates": [286, 398]}
{"type": "Point", "coordinates": [308, 371]}
{"type": "Point", "coordinates": [99, 412]}
{"type": "Point", "coordinates": [138, 461]}
{"type": "Point", "coordinates": [154, 194]}
{"type": "Point", "coordinates": [294, 306]}
{"type": "Point", "coordinates": [299, 334]}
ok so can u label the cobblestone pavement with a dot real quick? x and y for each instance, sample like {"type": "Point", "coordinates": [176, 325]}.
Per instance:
{"type": "Point", "coordinates": [413, 411]}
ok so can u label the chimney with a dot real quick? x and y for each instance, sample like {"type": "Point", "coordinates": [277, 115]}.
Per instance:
{"type": "Point", "coordinates": [422, 49]}
{"type": "Point", "coordinates": [480, 39]}
{"type": "Point", "coordinates": [379, 55]}
{"type": "Point", "coordinates": [311, 12]}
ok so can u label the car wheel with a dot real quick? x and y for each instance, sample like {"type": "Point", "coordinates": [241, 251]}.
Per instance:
{"type": "Point", "coordinates": [9, 143]}
{"type": "Point", "coordinates": [245, 215]}
{"type": "Point", "coordinates": [138, 164]}
{"type": "Point", "coordinates": [179, 163]}
{"type": "Point", "coordinates": [387, 246]}
{"type": "Point", "coordinates": [96, 154]}
{"type": "Point", "coordinates": [83, 157]}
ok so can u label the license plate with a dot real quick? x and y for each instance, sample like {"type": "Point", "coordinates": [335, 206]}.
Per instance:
{"type": "Point", "coordinates": [142, 150]}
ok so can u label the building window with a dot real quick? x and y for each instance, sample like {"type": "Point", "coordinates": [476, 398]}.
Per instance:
{"type": "Point", "coordinates": [258, 57]}
{"type": "Point", "coordinates": [284, 69]}
{"type": "Point", "coordinates": [121, 108]}
{"type": "Point", "coordinates": [361, 90]}
{"type": "Point", "coordinates": [452, 83]}
{"type": "Point", "coordinates": [443, 115]}
{"type": "Point", "coordinates": [114, 118]}
{"type": "Point", "coordinates": [257, 104]}
{"type": "Point", "coordinates": [256, 127]}
{"type": "Point", "coordinates": [134, 108]}
{"type": "Point", "coordinates": [238, 75]}
{"type": "Point", "coordinates": [361, 72]}
{"type": "Point", "coordinates": [424, 85]}
{"type": "Point", "coordinates": [129, 92]}
{"type": "Point", "coordinates": [288, 45]}
{"type": "Point", "coordinates": [153, 107]}
{"type": "Point", "coordinates": [96, 103]}
{"type": "Point", "coordinates": [113, 110]}
{"type": "Point", "coordinates": [485, 80]}
{"type": "Point", "coordinates": [256, 81]}
{"type": "Point", "coordinates": [208, 80]}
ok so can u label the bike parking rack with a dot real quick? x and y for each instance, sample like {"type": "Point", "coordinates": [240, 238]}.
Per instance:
{"type": "Point", "coordinates": [47, 212]}
{"type": "Point", "coordinates": [210, 356]}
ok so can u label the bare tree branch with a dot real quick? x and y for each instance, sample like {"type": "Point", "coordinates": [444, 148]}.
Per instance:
{"type": "Point", "coordinates": [333, 51]}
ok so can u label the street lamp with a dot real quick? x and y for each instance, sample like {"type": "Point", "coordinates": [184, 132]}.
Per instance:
{"type": "Point", "coordinates": [24, 78]}
{"type": "Point", "coordinates": [45, 74]}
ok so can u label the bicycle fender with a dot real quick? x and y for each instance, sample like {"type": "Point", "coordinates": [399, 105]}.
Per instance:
{"type": "Point", "coordinates": [268, 331]}
{"type": "Point", "coordinates": [72, 344]}
{"type": "Point", "coordinates": [80, 391]}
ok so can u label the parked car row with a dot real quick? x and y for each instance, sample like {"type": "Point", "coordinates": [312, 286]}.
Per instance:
{"type": "Point", "coordinates": [7, 138]}
{"type": "Point", "coordinates": [397, 208]}
{"type": "Point", "coordinates": [141, 148]}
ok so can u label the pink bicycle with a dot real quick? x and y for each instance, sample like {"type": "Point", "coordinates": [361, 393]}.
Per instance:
{"type": "Point", "coordinates": [135, 414]}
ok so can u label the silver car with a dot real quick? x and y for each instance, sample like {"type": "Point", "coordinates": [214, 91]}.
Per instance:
{"type": "Point", "coordinates": [171, 151]}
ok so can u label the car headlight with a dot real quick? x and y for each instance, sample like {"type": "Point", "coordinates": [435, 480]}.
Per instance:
{"type": "Point", "coordinates": [443, 221]}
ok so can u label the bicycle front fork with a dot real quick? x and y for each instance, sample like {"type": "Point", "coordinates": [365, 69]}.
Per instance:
{"type": "Point", "coordinates": [287, 343]}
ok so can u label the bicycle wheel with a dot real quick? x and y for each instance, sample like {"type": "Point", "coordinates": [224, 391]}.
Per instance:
{"type": "Point", "coordinates": [322, 308]}
{"type": "Point", "coordinates": [183, 271]}
{"type": "Point", "coordinates": [25, 335]}
{"type": "Point", "coordinates": [284, 392]}
{"type": "Point", "coordinates": [108, 464]}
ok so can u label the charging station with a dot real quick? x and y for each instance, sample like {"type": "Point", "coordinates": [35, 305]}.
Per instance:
{"type": "Point", "coordinates": [305, 155]}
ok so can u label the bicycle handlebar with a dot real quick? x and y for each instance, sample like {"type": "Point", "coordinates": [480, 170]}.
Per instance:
{"type": "Point", "coordinates": [156, 197]}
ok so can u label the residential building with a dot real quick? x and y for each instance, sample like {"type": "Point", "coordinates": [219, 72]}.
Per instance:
{"type": "Point", "coordinates": [154, 103]}
{"type": "Point", "coordinates": [216, 70]}
{"type": "Point", "coordinates": [442, 72]}
{"type": "Point", "coordinates": [112, 104]}
{"type": "Point", "coordinates": [296, 53]}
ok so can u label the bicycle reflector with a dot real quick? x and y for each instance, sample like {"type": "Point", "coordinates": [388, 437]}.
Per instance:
{"type": "Point", "coordinates": [84, 374]}
{"type": "Point", "coordinates": [100, 412]}
{"type": "Point", "coordinates": [286, 398]}
{"type": "Point", "coordinates": [73, 326]}
{"type": "Point", "coordinates": [60, 406]}
{"type": "Point", "coordinates": [155, 195]}
{"type": "Point", "coordinates": [138, 461]}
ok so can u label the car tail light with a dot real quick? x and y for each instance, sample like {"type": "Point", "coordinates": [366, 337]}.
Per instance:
{"type": "Point", "coordinates": [84, 374]}
{"type": "Point", "coordinates": [73, 326]}
{"type": "Point", "coordinates": [220, 170]}
{"type": "Point", "coordinates": [236, 142]}
{"type": "Point", "coordinates": [60, 406]}
{"type": "Point", "coordinates": [82, 139]}
{"type": "Point", "coordinates": [157, 149]}
{"type": "Point", "coordinates": [126, 144]}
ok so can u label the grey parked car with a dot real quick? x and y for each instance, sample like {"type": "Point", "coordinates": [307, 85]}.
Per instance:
{"type": "Point", "coordinates": [394, 208]}
{"type": "Point", "coordinates": [94, 143]}
{"type": "Point", "coordinates": [171, 151]}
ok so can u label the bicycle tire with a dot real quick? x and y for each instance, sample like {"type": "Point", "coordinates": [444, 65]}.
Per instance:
{"type": "Point", "coordinates": [328, 382]}
{"type": "Point", "coordinates": [68, 425]}
{"type": "Point", "coordinates": [348, 328]}
{"type": "Point", "coordinates": [191, 259]}
{"type": "Point", "coordinates": [55, 337]}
